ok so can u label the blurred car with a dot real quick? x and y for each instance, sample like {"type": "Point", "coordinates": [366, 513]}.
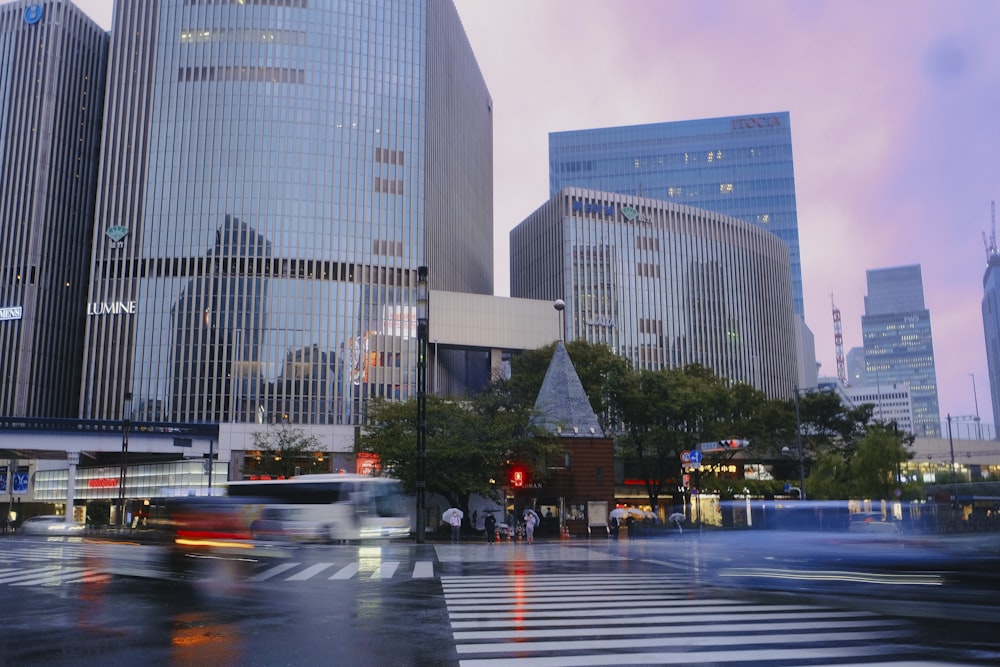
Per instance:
{"type": "Point", "coordinates": [50, 525]}
{"type": "Point", "coordinates": [283, 524]}
{"type": "Point", "coordinates": [873, 522]}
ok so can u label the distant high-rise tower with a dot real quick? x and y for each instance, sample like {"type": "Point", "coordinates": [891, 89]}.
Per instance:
{"type": "Point", "coordinates": [277, 171]}
{"type": "Point", "coordinates": [52, 72]}
{"type": "Point", "coordinates": [740, 166]}
{"type": "Point", "coordinates": [991, 314]}
{"type": "Point", "coordinates": [896, 330]}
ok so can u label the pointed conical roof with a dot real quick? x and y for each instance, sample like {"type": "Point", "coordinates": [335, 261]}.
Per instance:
{"type": "Point", "coordinates": [562, 407]}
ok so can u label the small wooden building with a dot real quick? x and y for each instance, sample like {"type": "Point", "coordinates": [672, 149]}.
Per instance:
{"type": "Point", "coordinates": [579, 489]}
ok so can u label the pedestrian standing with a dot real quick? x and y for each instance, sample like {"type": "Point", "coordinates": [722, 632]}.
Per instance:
{"type": "Point", "coordinates": [491, 528]}
{"type": "Point", "coordinates": [456, 526]}
{"type": "Point", "coordinates": [529, 527]}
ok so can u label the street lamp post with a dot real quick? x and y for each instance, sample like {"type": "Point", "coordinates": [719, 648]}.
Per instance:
{"type": "Point", "coordinates": [954, 472]}
{"type": "Point", "coordinates": [798, 441]}
{"type": "Point", "coordinates": [979, 432]}
{"type": "Point", "coordinates": [126, 415]}
{"type": "Point", "coordinates": [423, 299]}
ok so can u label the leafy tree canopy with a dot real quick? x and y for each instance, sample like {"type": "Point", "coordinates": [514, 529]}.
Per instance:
{"type": "Point", "coordinates": [283, 447]}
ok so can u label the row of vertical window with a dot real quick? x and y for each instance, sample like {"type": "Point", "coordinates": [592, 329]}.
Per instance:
{"type": "Point", "coordinates": [247, 35]}
{"type": "Point", "coordinates": [296, 4]}
{"type": "Point", "coordinates": [182, 267]}
{"type": "Point", "coordinates": [242, 73]}
{"type": "Point", "coordinates": [389, 156]}
{"type": "Point", "coordinates": [389, 186]}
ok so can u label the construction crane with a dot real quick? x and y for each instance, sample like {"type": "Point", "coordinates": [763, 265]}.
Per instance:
{"type": "Point", "coordinates": [838, 340]}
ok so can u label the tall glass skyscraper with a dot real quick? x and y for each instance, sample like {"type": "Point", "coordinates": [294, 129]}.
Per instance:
{"type": "Point", "coordinates": [740, 166]}
{"type": "Point", "coordinates": [272, 175]}
{"type": "Point", "coordinates": [52, 73]}
{"type": "Point", "coordinates": [896, 331]}
{"type": "Point", "coordinates": [991, 322]}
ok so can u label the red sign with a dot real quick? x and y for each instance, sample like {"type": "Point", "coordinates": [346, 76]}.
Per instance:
{"type": "Point", "coordinates": [101, 483]}
{"type": "Point", "coordinates": [368, 463]}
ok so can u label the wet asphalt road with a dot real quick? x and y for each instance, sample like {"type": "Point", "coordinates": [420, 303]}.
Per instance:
{"type": "Point", "coordinates": [564, 602]}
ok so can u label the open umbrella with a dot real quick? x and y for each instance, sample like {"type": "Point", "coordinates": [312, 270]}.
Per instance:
{"type": "Point", "coordinates": [538, 519]}
{"type": "Point", "coordinates": [617, 513]}
{"type": "Point", "coordinates": [452, 511]}
{"type": "Point", "coordinates": [636, 512]}
{"type": "Point", "coordinates": [676, 517]}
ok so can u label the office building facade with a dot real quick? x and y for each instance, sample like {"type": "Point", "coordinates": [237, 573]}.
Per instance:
{"type": "Point", "coordinates": [739, 166]}
{"type": "Point", "coordinates": [891, 403]}
{"type": "Point", "coordinates": [272, 175]}
{"type": "Point", "coordinates": [899, 349]}
{"type": "Point", "coordinates": [662, 284]}
{"type": "Point", "coordinates": [52, 72]}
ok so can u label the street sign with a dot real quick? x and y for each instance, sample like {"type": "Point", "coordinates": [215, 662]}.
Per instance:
{"type": "Point", "coordinates": [696, 457]}
{"type": "Point", "coordinates": [686, 456]}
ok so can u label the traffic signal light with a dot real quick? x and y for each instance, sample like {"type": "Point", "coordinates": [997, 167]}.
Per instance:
{"type": "Point", "coordinates": [733, 444]}
{"type": "Point", "coordinates": [517, 478]}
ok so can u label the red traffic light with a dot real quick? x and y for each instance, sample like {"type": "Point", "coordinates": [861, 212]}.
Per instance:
{"type": "Point", "coordinates": [517, 479]}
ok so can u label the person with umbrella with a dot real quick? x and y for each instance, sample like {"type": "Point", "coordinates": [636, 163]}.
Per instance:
{"type": "Point", "coordinates": [530, 521]}
{"type": "Point", "coordinates": [453, 516]}
{"type": "Point", "coordinates": [491, 527]}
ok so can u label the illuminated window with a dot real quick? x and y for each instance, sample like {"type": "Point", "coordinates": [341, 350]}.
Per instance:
{"type": "Point", "coordinates": [726, 188]}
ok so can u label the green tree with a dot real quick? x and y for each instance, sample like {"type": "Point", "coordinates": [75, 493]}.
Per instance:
{"type": "Point", "coordinates": [469, 443]}
{"type": "Point", "coordinates": [829, 476]}
{"type": "Point", "coordinates": [665, 412]}
{"type": "Point", "coordinates": [875, 462]}
{"type": "Point", "coordinates": [282, 448]}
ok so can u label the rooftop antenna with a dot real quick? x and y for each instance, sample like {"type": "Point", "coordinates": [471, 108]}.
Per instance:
{"type": "Point", "coordinates": [991, 243]}
{"type": "Point", "coordinates": [838, 340]}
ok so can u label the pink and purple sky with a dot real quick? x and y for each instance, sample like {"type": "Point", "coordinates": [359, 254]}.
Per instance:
{"type": "Point", "coordinates": [894, 107]}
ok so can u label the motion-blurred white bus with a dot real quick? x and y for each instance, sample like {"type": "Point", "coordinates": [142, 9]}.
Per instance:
{"type": "Point", "coordinates": [325, 508]}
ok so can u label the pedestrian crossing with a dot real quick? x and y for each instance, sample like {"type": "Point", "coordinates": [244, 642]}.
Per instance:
{"type": "Point", "coordinates": [555, 620]}
{"type": "Point", "coordinates": [297, 572]}
{"type": "Point", "coordinates": [292, 572]}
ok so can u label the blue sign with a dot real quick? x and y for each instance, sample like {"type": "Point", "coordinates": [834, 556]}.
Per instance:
{"type": "Point", "coordinates": [696, 456]}
{"type": "Point", "coordinates": [3, 479]}
{"type": "Point", "coordinates": [593, 207]}
{"type": "Point", "coordinates": [19, 482]}
{"type": "Point", "coordinates": [33, 14]}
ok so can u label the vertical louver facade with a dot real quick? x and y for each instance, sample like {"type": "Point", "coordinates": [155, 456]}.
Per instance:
{"type": "Point", "coordinates": [662, 284]}
{"type": "Point", "coordinates": [273, 174]}
{"type": "Point", "coordinates": [52, 74]}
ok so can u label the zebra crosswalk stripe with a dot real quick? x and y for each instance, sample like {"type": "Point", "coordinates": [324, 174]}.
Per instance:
{"type": "Point", "coordinates": [347, 571]}
{"type": "Point", "coordinates": [423, 569]}
{"type": "Point", "coordinates": [48, 576]}
{"type": "Point", "coordinates": [309, 572]}
{"type": "Point", "coordinates": [570, 620]}
{"type": "Point", "coordinates": [273, 572]}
